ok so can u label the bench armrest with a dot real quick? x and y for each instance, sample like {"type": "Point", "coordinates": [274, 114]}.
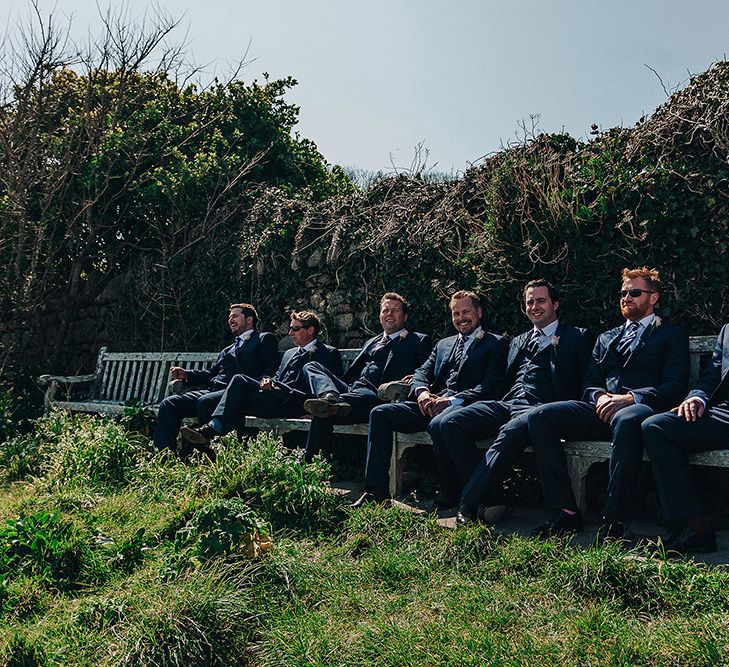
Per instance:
{"type": "Point", "coordinates": [66, 379]}
{"type": "Point", "coordinates": [54, 380]}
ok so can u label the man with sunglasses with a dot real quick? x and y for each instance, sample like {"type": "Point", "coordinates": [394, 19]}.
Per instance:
{"type": "Point", "coordinates": [253, 352]}
{"type": "Point", "coordinates": [637, 370]}
{"type": "Point", "coordinates": [699, 423]}
{"type": "Point", "coordinates": [388, 357]}
{"type": "Point", "coordinates": [282, 395]}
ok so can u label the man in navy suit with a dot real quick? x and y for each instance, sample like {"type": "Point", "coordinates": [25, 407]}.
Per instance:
{"type": "Point", "coordinates": [637, 370]}
{"type": "Point", "coordinates": [461, 369]}
{"type": "Point", "coordinates": [252, 353]}
{"type": "Point", "coordinates": [280, 396]}
{"type": "Point", "coordinates": [699, 423]}
{"type": "Point", "coordinates": [392, 355]}
{"type": "Point", "coordinates": [546, 363]}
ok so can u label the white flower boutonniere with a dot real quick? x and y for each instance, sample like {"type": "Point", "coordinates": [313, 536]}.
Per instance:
{"type": "Point", "coordinates": [480, 334]}
{"type": "Point", "coordinates": [403, 334]}
{"type": "Point", "coordinates": [657, 321]}
{"type": "Point", "coordinates": [312, 349]}
{"type": "Point", "coordinates": [555, 341]}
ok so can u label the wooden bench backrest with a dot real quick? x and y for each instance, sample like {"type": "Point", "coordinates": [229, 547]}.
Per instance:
{"type": "Point", "coordinates": [144, 375]}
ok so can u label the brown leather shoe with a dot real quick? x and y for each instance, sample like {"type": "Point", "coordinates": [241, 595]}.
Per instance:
{"type": "Point", "coordinates": [394, 392]}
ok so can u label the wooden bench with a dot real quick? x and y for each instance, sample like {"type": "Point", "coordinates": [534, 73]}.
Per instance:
{"type": "Point", "coordinates": [122, 377]}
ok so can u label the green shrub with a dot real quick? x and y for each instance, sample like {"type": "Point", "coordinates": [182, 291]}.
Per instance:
{"type": "Point", "coordinates": [42, 545]}
{"type": "Point", "coordinates": [20, 403]}
{"type": "Point", "coordinates": [220, 528]}
{"type": "Point", "coordinates": [94, 452]}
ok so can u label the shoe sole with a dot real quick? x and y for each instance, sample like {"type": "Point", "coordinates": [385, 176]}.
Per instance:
{"type": "Point", "coordinates": [193, 437]}
{"type": "Point", "coordinates": [393, 392]}
{"type": "Point", "coordinates": [319, 407]}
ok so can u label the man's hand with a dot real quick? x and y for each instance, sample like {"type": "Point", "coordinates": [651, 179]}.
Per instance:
{"type": "Point", "coordinates": [437, 405]}
{"type": "Point", "coordinates": [607, 405]}
{"type": "Point", "coordinates": [408, 379]}
{"type": "Point", "coordinates": [177, 373]}
{"type": "Point", "coordinates": [266, 384]}
{"type": "Point", "coordinates": [691, 409]}
{"type": "Point", "coordinates": [425, 398]}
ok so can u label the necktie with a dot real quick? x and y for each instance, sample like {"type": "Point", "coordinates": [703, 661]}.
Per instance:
{"type": "Point", "coordinates": [458, 354]}
{"type": "Point", "coordinates": [239, 341]}
{"type": "Point", "coordinates": [380, 344]}
{"type": "Point", "coordinates": [628, 337]}
{"type": "Point", "coordinates": [533, 345]}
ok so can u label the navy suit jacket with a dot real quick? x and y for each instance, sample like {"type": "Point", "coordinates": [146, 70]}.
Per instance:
{"type": "Point", "coordinates": [568, 361]}
{"type": "Point", "coordinates": [291, 373]}
{"type": "Point", "coordinates": [257, 357]}
{"type": "Point", "coordinates": [657, 370]}
{"type": "Point", "coordinates": [403, 357]}
{"type": "Point", "coordinates": [481, 373]}
{"type": "Point", "coordinates": [713, 385]}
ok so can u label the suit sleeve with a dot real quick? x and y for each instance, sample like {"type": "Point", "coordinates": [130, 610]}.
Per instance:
{"type": "Point", "coordinates": [425, 373]}
{"type": "Point", "coordinates": [204, 375]}
{"type": "Point", "coordinates": [594, 377]}
{"type": "Point", "coordinates": [425, 347]}
{"type": "Point", "coordinates": [268, 354]}
{"type": "Point", "coordinates": [585, 345]}
{"type": "Point", "coordinates": [335, 362]}
{"type": "Point", "coordinates": [279, 372]}
{"type": "Point", "coordinates": [711, 377]}
{"type": "Point", "coordinates": [493, 376]}
{"type": "Point", "coordinates": [675, 375]}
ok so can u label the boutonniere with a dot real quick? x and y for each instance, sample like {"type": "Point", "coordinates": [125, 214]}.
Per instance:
{"type": "Point", "coordinates": [657, 321]}
{"type": "Point", "coordinates": [478, 337]}
{"type": "Point", "coordinates": [555, 341]}
{"type": "Point", "coordinates": [403, 335]}
{"type": "Point", "coordinates": [312, 349]}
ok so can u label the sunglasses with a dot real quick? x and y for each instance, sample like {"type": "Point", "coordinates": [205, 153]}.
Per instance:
{"type": "Point", "coordinates": [635, 292]}
{"type": "Point", "coordinates": [297, 328]}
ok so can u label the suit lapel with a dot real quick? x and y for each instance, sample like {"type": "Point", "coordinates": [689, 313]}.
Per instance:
{"type": "Point", "coordinates": [641, 342]}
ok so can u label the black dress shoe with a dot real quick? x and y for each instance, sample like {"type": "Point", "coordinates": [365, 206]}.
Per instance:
{"type": "Point", "coordinates": [560, 525]}
{"type": "Point", "coordinates": [466, 514]}
{"type": "Point", "coordinates": [444, 501]}
{"type": "Point", "coordinates": [368, 498]}
{"type": "Point", "coordinates": [609, 531]}
{"type": "Point", "coordinates": [688, 540]}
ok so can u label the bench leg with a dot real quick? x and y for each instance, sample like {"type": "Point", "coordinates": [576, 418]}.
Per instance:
{"type": "Point", "coordinates": [578, 467]}
{"type": "Point", "coordinates": [396, 467]}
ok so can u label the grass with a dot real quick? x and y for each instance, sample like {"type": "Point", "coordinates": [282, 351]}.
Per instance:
{"type": "Point", "coordinates": [132, 558]}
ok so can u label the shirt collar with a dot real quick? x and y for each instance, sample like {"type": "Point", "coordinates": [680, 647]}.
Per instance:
{"type": "Point", "coordinates": [550, 330]}
{"type": "Point", "coordinates": [309, 346]}
{"type": "Point", "coordinates": [246, 334]}
{"type": "Point", "coordinates": [394, 335]}
{"type": "Point", "coordinates": [644, 323]}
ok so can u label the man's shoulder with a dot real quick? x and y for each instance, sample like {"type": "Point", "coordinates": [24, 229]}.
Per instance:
{"type": "Point", "coordinates": [606, 336]}
{"type": "Point", "coordinates": [265, 335]}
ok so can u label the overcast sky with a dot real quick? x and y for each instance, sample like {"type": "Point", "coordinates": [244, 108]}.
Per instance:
{"type": "Point", "coordinates": [377, 78]}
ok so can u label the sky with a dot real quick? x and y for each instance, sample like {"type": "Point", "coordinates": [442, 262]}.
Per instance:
{"type": "Point", "coordinates": [460, 78]}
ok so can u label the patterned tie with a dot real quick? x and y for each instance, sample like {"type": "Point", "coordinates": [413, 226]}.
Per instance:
{"type": "Point", "coordinates": [628, 337]}
{"type": "Point", "coordinates": [459, 351]}
{"type": "Point", "coordinates": [533, 344]}
{"type": "Point", "coordinates": [380, 344]}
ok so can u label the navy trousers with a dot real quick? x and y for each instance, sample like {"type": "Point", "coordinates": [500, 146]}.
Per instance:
{"type": "Point", "coordinates": [362, 396]}
{"type": "Point", "coordinates": [244, 396]}
{"type": "Point", "coordinates": [463, 469]}
{"type": "Point", "coordinates": [172, 410]}
{"type": "Point", "coordinates": [577, 420]}
{"type": "Point", "coordinates": [669, 439]}
{"type": "Point", "coordinates": [384, 421]}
